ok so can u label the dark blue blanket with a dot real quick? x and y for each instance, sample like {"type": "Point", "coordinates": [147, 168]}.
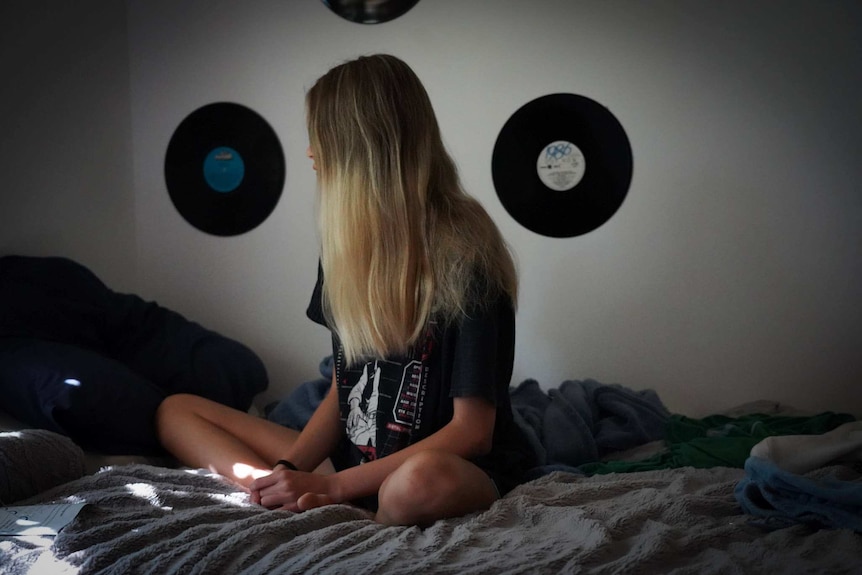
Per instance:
{"type": "Point", "coordinates": [581, 421]}
{"type": "Point", "coordinates": [80, 359]}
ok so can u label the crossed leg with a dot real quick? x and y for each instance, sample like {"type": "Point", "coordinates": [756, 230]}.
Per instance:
{"type": "Point", "coordinates": [434, 485]}
{"type": "Point", "coordinates": [428, 486]}
{"type": "Point", "coordinates": [205, 434]}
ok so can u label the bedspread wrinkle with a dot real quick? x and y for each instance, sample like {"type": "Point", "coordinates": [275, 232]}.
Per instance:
{"type": "Point", "coordinates": [581, 421]}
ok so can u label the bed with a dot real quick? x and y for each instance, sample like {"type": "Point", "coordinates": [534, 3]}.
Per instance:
{"type": "Point", "coordinates": [622, 485]}
{"type": "Point", "coordinates": [144, 518]}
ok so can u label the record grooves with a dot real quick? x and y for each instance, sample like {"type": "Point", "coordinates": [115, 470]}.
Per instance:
{"type": "Point", "coordinates": [224, 169]}
{"type": "Point", "coordinates": [562, 165]}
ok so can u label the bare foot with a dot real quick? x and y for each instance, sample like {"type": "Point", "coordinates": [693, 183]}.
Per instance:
{"type": "Point", "coordinates": [312, 500]}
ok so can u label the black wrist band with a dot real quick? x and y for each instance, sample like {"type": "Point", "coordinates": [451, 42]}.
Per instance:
{"type": "Point", "coordinates": [287, 464]}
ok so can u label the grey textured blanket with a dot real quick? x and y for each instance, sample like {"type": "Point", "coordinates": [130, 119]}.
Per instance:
{"type": "Point", "coordinates": [33, 460]}
{"type": "Point", "coordinates": [143, 519]}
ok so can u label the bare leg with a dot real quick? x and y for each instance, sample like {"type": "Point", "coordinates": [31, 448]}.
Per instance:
{"type": "Point", "coordinates": [433, 485]}
{"type": "Point", "coordinates": [203, 433]}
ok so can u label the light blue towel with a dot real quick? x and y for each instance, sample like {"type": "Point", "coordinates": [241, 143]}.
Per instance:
{"type": "Point", "coordinates": [781, 498]}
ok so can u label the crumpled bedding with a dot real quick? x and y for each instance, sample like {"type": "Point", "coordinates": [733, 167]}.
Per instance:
{"type": "Point", "coordinates": [149, 519]}
{"type": "Point", "coordinates": [781, 498]}
{"type": "Point", "coordinates": [581, 421]}
{"type": "Point", "coordinates": [785, 482]}
{"type": "Point", "coordinates": [720, 440]}
{"type": "Point", "coordinates": [142, 519]}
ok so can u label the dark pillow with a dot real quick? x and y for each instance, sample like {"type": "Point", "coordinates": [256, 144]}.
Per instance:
{"type": "Point", "coordinates": [80, 359]}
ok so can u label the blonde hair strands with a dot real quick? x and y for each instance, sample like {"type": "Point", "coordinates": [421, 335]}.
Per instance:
{"type": "Point", "coordinates": [401, 242]}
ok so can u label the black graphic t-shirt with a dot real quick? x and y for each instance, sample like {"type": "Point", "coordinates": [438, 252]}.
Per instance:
{"type": "Point", "coordinates": [387, 404]}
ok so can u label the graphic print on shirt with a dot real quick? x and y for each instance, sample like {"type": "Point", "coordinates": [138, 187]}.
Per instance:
{"type": "Point", "coordinates": [405, 407]}
{"type": "Point", "coordinates": [361, 423]}
{"type": "Point", "coordinates": [382, 401]}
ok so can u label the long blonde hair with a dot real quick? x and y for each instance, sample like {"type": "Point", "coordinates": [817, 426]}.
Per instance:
{"type": "Point", "coordinates": [401, 242]}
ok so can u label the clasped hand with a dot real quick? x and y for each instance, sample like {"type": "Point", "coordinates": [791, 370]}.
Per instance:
{"type": "Point", "coordinates": [291, 490]}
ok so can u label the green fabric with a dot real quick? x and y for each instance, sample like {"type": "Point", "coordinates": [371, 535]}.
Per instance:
{"type": "Point", "coordinates": [719, 441]}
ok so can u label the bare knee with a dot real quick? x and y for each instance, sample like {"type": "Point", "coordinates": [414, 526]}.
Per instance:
{"type": "Point", "coordinates": [171, 413]}
{"type": "Point", "coordinates": [432, 485]}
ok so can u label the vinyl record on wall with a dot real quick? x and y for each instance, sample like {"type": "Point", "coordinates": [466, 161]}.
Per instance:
{"type": "Point", "coordinates": [562, 165]}
{"type": "Point", "coordinates": [224, 169]}
{"type": "Point", "coordinates": [370, 11]}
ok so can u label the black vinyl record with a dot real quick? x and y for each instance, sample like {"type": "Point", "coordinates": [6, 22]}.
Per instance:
{"type": "Point", "coordinates": [370, 11]}
{"type": "Point", "coordinates": [562, 165]}
{"type": "Point", "coordinates": [224, 169]}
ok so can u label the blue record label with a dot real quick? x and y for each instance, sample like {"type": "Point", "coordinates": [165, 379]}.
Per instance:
{"type": "Point", "coordinates": [224, 169]}
{"type": "Point", "coordinates": [216, 188]}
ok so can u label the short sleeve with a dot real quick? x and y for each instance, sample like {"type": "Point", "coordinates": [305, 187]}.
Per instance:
{"type": "Point", "coordinates": [483, 352]}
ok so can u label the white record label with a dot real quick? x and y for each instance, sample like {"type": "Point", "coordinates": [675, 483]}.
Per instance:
{"type": "Point", "coordinates": [561, 165]}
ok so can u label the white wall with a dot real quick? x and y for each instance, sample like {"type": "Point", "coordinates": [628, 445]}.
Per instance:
{"type": "Point", "coordinates": [65, 135]}
{"type": "Point", "coordinates": [731, 272]}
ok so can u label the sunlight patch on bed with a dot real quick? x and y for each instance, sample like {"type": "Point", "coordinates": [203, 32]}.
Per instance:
{"type": "Point", "coordinates": [35, 541]}
{"type": "Point", "coordinates": [238, 498]}
{"type": "Point", "coordinates": [202, 472]}
{"type": "Point", "coordinates": [48, 563]}
{"type": "Point", "coordinates": [147, 492]}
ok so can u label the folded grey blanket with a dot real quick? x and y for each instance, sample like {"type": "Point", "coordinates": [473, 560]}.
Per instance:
{"type": "Point", "coordinates": [33, 460]}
